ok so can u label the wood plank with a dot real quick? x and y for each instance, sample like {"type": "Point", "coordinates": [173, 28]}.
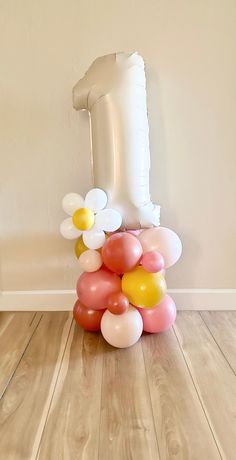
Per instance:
{"type": "Point", "coordinates": [127, 428]}
{"type": "Point", "coordinates": [222, 326]}
{"type": "Point", "coordinates": [25, 404]}
{"type": "Point", "coordinates": [213, 378]}
{"type": "Point", "coordinates": [182, 429]}
{"type": "Point", "coordinates": [16, 330]}
{"type": "Point", "coordinates": [74, 417]}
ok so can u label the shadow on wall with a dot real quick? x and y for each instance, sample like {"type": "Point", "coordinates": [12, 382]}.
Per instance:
{"type": "Point", "coordinates": [160, 184]}
{"type": "Point", "coordinates": [158, 171]}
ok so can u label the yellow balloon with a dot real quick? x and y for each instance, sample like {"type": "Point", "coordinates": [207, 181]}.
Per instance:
{"type": "Point", "coordinates": [144, 289]}
{"type": "Point", "coordinates": [80, 247]}
{"type": "Point", "coordinates": [83, 218]}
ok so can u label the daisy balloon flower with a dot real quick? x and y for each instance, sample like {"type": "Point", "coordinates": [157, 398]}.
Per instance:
{"type": "Point", "coordinates": [89, 218]}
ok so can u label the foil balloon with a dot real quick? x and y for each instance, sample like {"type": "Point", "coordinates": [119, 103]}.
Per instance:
{"type": "Point", "coordinates": [113, 90]}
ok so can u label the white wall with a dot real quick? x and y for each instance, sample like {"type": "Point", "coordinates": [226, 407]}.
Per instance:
{"type": "Point", "coordinates": [190, 50]}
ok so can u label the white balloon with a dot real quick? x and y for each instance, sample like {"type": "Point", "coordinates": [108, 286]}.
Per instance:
{"type": "Point", "coordinates": [68, 229]}
{"type": "Point", "coordinates": [147, 216]}
{"type": "Point", "coordinates": [94, 239]}
{"type": "Point", "coordinates": [108, 220]}
{"type": "Point", "coordinates": [96, 199]}
{"type": "Point", "coordinates": [113, 90]}
{"type": "Point", "coordinates": [71, 202]}
{"type": "Point", "coordinates": [124, 330]}
{"type": "Point", "coordinates": [90, 260]}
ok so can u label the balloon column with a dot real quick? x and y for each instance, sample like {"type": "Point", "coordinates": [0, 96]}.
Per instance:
{"type": "Point", "coordinates": [122, 291]}
{"type": "Point", "coordinates": [120, 247]}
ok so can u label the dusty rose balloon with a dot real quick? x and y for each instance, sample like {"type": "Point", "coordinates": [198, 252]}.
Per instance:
{"type": "Point", "coordinates": [163, 240]}
{"type": "Point", "coordinates": [121, 252]}
{"type": "Point", "coordinates": [93, 289]}
{"type": "Point", "coordinates": [160, 318]}
{"type": "Point", "coordinates": [122, 331]}
{"type": "Point", "coordinates": [152, 261]}
{"type": "Point", "coordinates": [88, 319]}
{"type": "Point", "coordinates": [90, 260]}
{"type": "Point", "coordinates": [117, 303]}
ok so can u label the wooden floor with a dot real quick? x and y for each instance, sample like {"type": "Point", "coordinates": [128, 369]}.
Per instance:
{"type": "Point", "coordinates": [66, 394]}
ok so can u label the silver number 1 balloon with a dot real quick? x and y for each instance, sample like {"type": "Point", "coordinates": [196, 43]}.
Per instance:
{"type": "Point", "coordinates": [113, 90]}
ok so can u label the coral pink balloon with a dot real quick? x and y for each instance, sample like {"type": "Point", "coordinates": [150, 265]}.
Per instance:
{"type": "Point", "coordinates": [90, 260]}
{"type": "Point", "coordinates": [93, 289]}
{"type": "Point", "coordinates": [117, 303]}
{"type": "Point", "coordinates": [121, 252]}
{"type": "Point", "coordinates": [163, 240]}
{"type": "Point", "coordinates": [152, 261]}
{"type": "Point", "coordinates": [160, 318]}
{"type": "Point", "coordinates": [122, 331]}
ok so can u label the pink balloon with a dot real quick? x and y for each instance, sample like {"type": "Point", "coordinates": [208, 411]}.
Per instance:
{"type": "Point", "coordinates": [163, 240]}
{"type": "Point", "coordinates": [152, 261]}
{"type": "Point", "coordinates": [160, 318]}
{"type": "Point", "coordinates": [94, 288]}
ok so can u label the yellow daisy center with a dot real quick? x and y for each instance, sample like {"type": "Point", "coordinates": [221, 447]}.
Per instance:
{"type": "Point", "coordinates": [83, 218]}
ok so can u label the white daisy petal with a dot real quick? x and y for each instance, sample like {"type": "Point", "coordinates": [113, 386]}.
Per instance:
{"type": "Point", "coordinates": [94, 238]}
{"type": "Point", "coordinates": [108, 220]}
{"type": "Point", "coordinates": [68, 229]}
{"type": "Point", "coordinates": [96, 199]}
{"type": "Point", "coordinates": [71, 202]}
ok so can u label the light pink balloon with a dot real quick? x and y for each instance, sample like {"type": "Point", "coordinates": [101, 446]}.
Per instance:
{"type": "Point", "coordinates": [153, 261]}
{"type": "Point", "coordinates": [93, 289]}
{"type": "Point", "coordinates": [124, 330]}
{"type": "Point", "coordinates": [90, 260]}
{"type": "Point", "coordinates": [163, 240]}
{"type": "Point", "coordinates": [160, 318]}
{"type": "Point", "coordinates": [134, 232]}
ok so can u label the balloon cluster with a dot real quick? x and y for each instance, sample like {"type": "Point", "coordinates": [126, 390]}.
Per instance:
{"type": "Point", "coordinates": [122, 291]}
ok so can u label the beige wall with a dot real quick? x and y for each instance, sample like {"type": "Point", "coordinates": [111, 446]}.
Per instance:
{"type": "Point", "coordinates": [190, 50]}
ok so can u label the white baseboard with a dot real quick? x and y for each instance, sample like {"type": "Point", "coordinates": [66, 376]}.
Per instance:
{"type": "Point", "coordinates": [63, 300]}
{"type": "Point", "coordinates": [45, 300]}
{"type": "Point", "coordinates": [204, 299]}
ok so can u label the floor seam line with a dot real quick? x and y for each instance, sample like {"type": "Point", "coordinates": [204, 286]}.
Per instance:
{"type": "Point", "coordinates": [59, 370]}
{"type": "Point", "coordinates": [32, 320]}
{"type": "Point", "coordinates": [26, 347]}
{"type": "Point", "coordinates": [149, 392]}
{"type": "Point", "coordinates": [212, 335]}
{"type": "Point", "coordinates": [197, 392]}
{"type": "Point", "coordinates": [100, 418]}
